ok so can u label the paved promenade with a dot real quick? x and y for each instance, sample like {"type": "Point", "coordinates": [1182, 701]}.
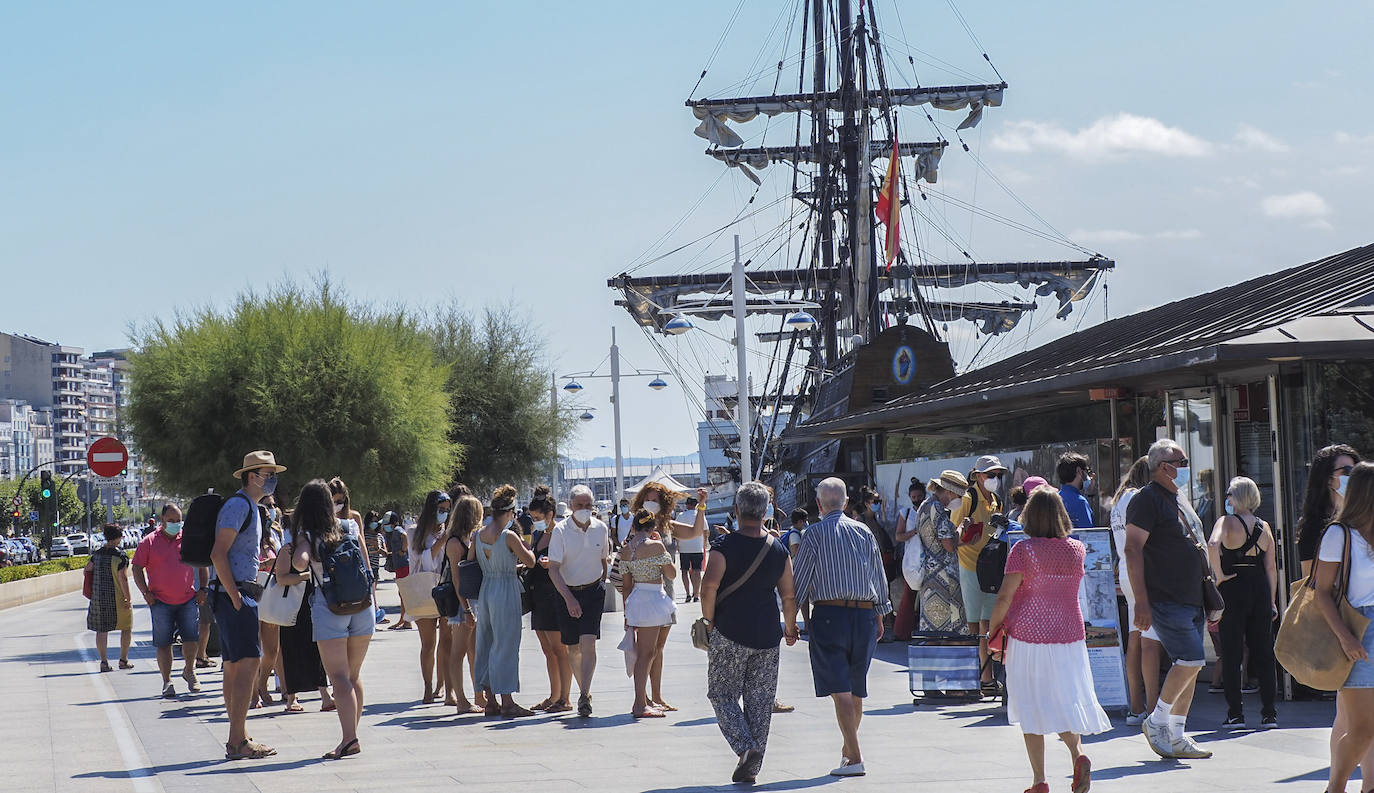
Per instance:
{"type": "Point", "coordinates": [67, 729]}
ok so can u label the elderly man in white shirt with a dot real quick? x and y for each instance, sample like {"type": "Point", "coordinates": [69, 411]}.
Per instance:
{"type": "Point", "coordinates": [579, 555]}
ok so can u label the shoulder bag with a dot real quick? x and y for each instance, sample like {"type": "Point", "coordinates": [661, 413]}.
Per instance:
{"type": "Point", "coordinates": [701, 632]}
{"type": "Point", "coordinates": [470, 574]}
{"type": "Point", "coordinates": [1306, 645]}
{"type": "Point", "coordinates": [1213, 604]}
{"type": "Point", "coordinates": [280, 603]}
{"type": "Point", "coordinates": [444, 595]}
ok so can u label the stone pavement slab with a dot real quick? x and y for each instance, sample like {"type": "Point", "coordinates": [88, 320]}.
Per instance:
{"type": "Point", "coordinates": [71, 729]}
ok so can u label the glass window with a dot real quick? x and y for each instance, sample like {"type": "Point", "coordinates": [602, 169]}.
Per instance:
{"type": "Point", "coordinates": [1192, 429]}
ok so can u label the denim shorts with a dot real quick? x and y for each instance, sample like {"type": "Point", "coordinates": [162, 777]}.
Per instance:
{"type": "Point", "coordinates": [238, 629]}
{"type": "Point", "coordinates": [1180, 628]}
{"type": "Point", "coordinates": [841, 642]}
{"type": "Point", "coordinates": [1362, 673]}
{"type": "Point", "coordinates": [326, 625]}
{"type": "Point", "coordinates": [977, 603]}
{"type": "Point", "coordinates": [169, 619]}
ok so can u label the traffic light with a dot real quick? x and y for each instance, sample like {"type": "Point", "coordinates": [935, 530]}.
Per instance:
{"type": "Point", "coordinates": [48, 491]}
{"type": "Point", "coordinates": [45, 480]}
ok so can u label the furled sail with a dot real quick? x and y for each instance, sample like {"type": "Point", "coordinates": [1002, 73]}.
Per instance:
{"type": "Point", "coordinates": [927, 156]}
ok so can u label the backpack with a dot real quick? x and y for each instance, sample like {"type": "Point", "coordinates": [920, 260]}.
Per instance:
{"type": "Point", "coordinates": [347, 581]}
{"type": "Point", "coordinates": [992, 561]}
{"type": "Point", "coordinates": [198, 529]}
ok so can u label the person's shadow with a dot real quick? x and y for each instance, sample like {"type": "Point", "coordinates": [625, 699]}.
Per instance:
{"type": "Point", "coordinates": [782, 784]}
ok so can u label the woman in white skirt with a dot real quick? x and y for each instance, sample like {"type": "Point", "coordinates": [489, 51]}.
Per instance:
{"type": "Point", "coordinates": [1049, 683]}
{"type": "Point", "coordinates": [644, 565]}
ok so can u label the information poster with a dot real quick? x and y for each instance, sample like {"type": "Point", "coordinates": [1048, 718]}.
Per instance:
{"type": "Point", "coordinates": [1097, 599]}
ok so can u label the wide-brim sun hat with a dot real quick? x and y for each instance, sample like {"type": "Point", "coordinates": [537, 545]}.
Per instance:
{"type": "Point", "coordinates": [562, 510]}
{"type": "Point", "coordinates": [254, 461]}
{"type": "Point", "coordinates": [951, 480]}
{"type": "Point", "coordinates": [1033, 482]}
{"type": "Point", "coordinates": [987, 464]}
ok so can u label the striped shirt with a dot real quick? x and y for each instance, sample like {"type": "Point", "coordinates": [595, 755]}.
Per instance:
{"type": "Point", "coordinates": [839, 560]}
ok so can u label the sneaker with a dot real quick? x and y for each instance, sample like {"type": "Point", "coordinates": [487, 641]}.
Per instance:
{"type": "Point", "coordinates": [1269, 722]}
{"type": "Point", "coordinates": [584, 705]}
{"type": "Point", "coordinates": [1233, 723]}
{"type": "Point", "coordinates": [1157, 736]}
{"type": "Point", "coordinates": [169, 691]}
{"type": "Point", "coordinates": [1184, 748]}
{"type": "Point", "coordinates": [847, 768]}
{"type": "Point", "coordinates": [1135, 719]}
{"type": "Point", "coordinates": [747, 770]}
{"type": "Point", "coordinates": [1249, 687]}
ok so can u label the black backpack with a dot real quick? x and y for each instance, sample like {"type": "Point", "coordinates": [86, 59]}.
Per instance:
{"type": "Point", "coordinates": [347, 581]}
{"type": "Point", "coordinates": [198, 529]}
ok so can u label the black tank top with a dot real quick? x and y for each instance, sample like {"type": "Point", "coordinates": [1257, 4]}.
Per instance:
{"type": "Point", "coordinates": [1236, 560]}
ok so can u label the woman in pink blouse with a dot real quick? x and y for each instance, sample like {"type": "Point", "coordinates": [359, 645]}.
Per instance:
{"type": "Point", "coordinates": [1049, 684]}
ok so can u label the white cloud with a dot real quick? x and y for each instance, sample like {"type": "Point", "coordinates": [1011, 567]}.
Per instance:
{"type": "Point", "coordinates": [1111, 236]}
{"type": "Point", "coordinates": [1115, 136]}
{"type": "Point", "coordinates": [1343, 170]}
{"type": "Point", "coordinates": [1347, 139]}
{"type": "Point", "coordinates": [1305, 205]}
{"type": "Point", "coordinates": [1254, 138]}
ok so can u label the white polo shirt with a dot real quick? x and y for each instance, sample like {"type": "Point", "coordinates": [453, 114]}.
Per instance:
{"type": "Point", "coordinates": [579, 553]}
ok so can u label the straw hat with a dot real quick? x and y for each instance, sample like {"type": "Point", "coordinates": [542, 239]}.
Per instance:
{"type": "Point", "coordinates": [951, 480]}
{"type": "Point", "coordinates": [252, 461]}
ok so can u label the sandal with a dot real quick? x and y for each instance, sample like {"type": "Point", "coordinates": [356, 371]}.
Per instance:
{"type": "Point", "coordinates": [124, 664]}
{"type": "Point", "coordinates": [104, 666]}
{"type": "Point", "coordinates": [664, 707]}
{"type": "Point", "coordinates": [545, 705]}
{"type": "Point", "coordinates": [330, 708]}
{"type": "Point", "coordinates": [204, 663]}
{"type": "Point", "coordinates": [515, 712]}
{"type": "Point", "coordinates": [294, 707]}
{"type": "Point", "coordinates": [464, 708]}
{"type": "Point", "coordinates": [347, 750]}
{"type": "Point", "coordinates": [649, 712]}
{"type": "Point", "coordinates": [559, 707]}
{"type": "Point", "coordinates": [247, 749]}
{"type": "Point", "coordinates": [1082, 774]}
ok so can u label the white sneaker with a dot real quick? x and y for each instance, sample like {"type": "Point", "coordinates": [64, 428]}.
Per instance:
{"type": "Point", "coordinates": [1185, 749]}
{"type": "Point", "coordinates": [1135, 719]}
{"type": "Point", "coordinates": [1157, 735]}
{"type": "Point", "coordinates": [848, 769]}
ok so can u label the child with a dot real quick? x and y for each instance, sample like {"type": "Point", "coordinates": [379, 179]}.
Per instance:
{"type": "Point", "coordinates": [1049, 684]}
{"type": "Point", "coordinates": [110, 608]}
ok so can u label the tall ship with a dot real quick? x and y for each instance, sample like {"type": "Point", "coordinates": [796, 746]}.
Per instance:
{"type": "Point", "coordinates": [858, 286]}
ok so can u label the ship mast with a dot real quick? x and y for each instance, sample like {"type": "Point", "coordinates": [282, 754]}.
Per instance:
{"type": "Point", "coordinates": [820, 138]}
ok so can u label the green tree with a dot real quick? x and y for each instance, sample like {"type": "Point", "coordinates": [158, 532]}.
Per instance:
{"type": "Point", "coordinates": [498, 381]}
{"type": "Point", "coordinates": [333, 388]}
{"type": "Point", "coordinates": [71, 511]}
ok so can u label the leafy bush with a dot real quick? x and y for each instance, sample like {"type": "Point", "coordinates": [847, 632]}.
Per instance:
{"type": "Point", "coordinates": [22, 571]}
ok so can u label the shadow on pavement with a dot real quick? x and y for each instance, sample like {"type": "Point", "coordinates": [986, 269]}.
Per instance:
{"type": "Point", "coordinates": [789, 784]}
{"type": "Point", "coordinates": [701, 722]}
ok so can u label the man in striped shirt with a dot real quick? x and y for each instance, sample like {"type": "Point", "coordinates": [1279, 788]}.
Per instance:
{"type": "Point", "coordinates": [840, 573]}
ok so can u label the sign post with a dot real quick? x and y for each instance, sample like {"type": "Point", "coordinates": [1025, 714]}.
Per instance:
{"type": "Point", "coordinates": [107, 458]}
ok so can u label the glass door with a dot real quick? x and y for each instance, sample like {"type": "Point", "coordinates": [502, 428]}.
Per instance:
{"type": "Point", "coordinates": [1192, 425]}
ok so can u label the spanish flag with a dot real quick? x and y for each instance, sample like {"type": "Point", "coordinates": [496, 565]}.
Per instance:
{"type": "Point", "coordinates": [889, 207]}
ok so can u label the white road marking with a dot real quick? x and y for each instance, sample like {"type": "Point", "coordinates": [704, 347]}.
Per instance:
{"type": "Point", "coordinates": [136, 762]}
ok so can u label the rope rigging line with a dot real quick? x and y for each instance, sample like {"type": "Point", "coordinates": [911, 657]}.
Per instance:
{"type": "Point", "coordinates": [719, 43]}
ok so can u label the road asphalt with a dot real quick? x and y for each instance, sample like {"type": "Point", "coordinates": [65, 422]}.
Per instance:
{"type": "Point", "coordinates": [70, 728]}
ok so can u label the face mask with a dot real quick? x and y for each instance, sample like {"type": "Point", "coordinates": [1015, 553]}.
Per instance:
{"type": "Point", "coordinates": [270, 486]}
{"type": "Point", "coordinates": [651, 506]}
{"type": "Point", "coordinates": [768, 513]}
{"type": "Point", "coordinates": [172, 529]}
{"type": "Point", "coordinates": [338, 509]}
{"type": "Point", "coordinates": [1230, 510]}
{"type": "Point", "coordinates": [1340, 488]}
{"type": "Point", "coordinates": [442, 517]}
{"type": "Point", "coordinates": [509, 523]}
{"type": "Point", "coordinates": [372, 525]}
{"type": "Point", "coordinates": [1181, 477]}
{"type": "Point", "coordinates": [582, 516]}
{"type": "Point", "coordinates": [1087, 482]}
{"type": "Point", "coordinates": [541, 525]}
{"type": "Point", "coordinates": [625, 509]}
{"type": "Point", "coordinates": [992, 483]}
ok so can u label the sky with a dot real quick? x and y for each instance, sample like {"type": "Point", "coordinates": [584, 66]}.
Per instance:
{"type": "Point", "coordinates": [157, 157]}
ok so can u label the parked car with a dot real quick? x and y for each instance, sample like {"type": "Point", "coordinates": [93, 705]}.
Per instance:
{"type": "Point", "coordinates": [61, 547]}
{"type": "Point", "coordinates": [31, 546]}
{"type": "Point", "coordinates": [21, 553]}
{"type": "Point", "coordinates": [78, 543]}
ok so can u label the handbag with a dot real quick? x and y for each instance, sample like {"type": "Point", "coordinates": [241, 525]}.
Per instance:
{"type": "Point", "coordinates": [1306, 645]}
{"type": "Point", "coordinates": [1213, 603]}
{"type": "Point", "coordinates": [87, 582]}
{"type": "Point", "coordinates": [444, 595]}
{"type": "Point", "coordinates": [469, 579]}
{"type": "Point", "coordinates": [280, 603]}
{"type": "Point", "coordinates": [914, 564]}
{"type": "Point", "coordinates": [417, 596]}
{"type": "Point", "coordinates": [701, 628]}
{"type": "Point", "coordinates": [526, 590]}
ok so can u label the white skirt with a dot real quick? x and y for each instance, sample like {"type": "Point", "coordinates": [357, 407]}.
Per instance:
{"type": "Point", "coordinates": [648, 606]}
{"type": "Point", "coordinates": [1050, 689]}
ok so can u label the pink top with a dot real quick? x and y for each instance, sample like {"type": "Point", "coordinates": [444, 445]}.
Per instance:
{"type": "Point", "coordinates": [1045, 609]}
{"type": "Point", "coordinates": [170, 581]}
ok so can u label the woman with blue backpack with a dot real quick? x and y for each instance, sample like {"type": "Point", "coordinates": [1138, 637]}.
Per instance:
{"type": "Point", "coordinates": [329, 551]}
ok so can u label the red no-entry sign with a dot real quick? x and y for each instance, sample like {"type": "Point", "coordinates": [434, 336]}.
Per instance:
{"type": "Point", "coordinates": [107, 457]}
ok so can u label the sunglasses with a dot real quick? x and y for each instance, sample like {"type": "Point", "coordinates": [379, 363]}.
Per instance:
{"type": "Point", "coordinates": [1344, 469]}
{"type": "Point", "coordinates": [1181, 462]}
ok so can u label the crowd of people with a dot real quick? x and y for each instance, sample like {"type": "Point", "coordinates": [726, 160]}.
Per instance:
{"type": "Point", "coordinates": [758, 585]}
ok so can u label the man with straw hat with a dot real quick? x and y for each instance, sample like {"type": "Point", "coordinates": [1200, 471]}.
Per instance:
{"type": "Point", "coordinates": [235, 592]}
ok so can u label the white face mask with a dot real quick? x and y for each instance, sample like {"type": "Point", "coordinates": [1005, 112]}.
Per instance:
{"type": "Point", "coordinates": [541, 525]}
{"type": "Point", "coordinates": [1340, 488]}
{"type": "Point", "coordinates": [338, 509]}
{"type": "Point", "coordinates": [509, 523]}
{"type": "Point", "coordinates": [442, 517]}
{"type": "Point", "coordinates": [1181, 477]}
{"type": "Point", "coordinates": [582, 516]}
{"type": "Point", "coordinates": [992, 483]}
{"type": "Point", "coordinates": [651, 506]}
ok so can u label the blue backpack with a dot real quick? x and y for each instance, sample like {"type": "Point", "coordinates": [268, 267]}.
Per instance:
{"type": "Point", "coordinates": [347, 581]}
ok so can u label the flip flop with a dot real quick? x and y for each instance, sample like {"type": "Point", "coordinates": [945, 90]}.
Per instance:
{"type": "Point", "coordinates": [294, 707]}
{"type": "Point", "coordinates": [648, 713]}
{"type": "Point", "coordinates": [665, 707]}
{"type": "Point", "coordinates": [330, 708]}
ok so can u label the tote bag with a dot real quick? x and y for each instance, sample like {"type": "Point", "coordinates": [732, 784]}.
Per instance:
{"type": "Point", "coordinates": [417, 595]}
{"type": "Point", "coordinates": [280, 604]}
{"type": "Point", "coordinates": [1306, 645]}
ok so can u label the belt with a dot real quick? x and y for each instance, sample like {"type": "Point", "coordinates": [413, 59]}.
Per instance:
{"type": "Point", "coordinates": [584, 587]}
{"type": "Point", "coordinates": [845, 604]}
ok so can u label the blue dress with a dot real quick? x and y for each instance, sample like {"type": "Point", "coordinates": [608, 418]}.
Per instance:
{"type": "Point", "coordinates": [497, 662]}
